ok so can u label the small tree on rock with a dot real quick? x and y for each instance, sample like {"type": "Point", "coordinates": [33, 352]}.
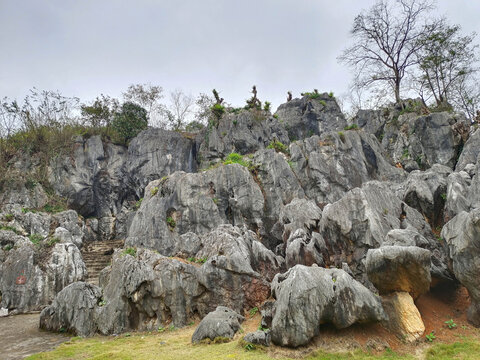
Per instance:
{"type": "Point", "coordinates": [130, 121]}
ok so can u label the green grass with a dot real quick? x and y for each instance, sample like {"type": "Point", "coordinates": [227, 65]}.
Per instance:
{"type": "Point", "coordinates": [279, 147]}
{"type": "Point", "coordinates": [468, 349]}
{"type": "Point", "coordinates": [170, 345]}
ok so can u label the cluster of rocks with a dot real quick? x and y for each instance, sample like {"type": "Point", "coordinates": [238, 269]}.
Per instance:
{"type": "Point", "coordinates": [337, 227]}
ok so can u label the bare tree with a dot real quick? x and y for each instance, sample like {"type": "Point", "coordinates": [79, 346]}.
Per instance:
{"type": "Point", "coordinates": [386, 41]}
{"type": "Point", "coordinates": [100, 112]}
{"type": "Point", "coordinates": [179, 109]}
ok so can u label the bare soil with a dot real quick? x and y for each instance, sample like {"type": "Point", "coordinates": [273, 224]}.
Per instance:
{"type": "Point", "coordinates": [21, 337]}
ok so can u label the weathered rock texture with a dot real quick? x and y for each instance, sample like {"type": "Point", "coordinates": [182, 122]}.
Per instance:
{"type": "Point", "coordinates": [462, 235]}
{"type": "Point", "coordinates": [221, 323]}
{"type": "Point", "coordinates": [307, 297]}
{"type": "Point", "coordinates": [403, 316]}
{"type": "Point", "coordinates": [399, 268]}
{"type": "Point", "coordinates": [73, 310]}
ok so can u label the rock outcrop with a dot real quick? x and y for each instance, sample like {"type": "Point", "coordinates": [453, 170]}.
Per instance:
{"type": "Point", "coordinates": [307, 297]}
{"type": "Point", "coordinates": [462, 235]}
{"type": "Point", "coordinates": [221, 323]}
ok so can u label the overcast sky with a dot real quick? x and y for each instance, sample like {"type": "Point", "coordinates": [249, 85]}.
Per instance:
{"type": "Point", "coordinates": [87, 47]}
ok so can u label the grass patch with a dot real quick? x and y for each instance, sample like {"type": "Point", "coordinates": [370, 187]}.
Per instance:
{"type": "Point", "coordinates": [35, 238]}
{"type": "Point", "coordinates": [278, 146]}
{"type": "Point", "coordinates": [130, 251]}
{"type": "Point", "coordinates": [172, 345]}
{"type": "Point", "coordinates": [468, 349]}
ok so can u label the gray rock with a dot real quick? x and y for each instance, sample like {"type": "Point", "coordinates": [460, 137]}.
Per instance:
{"type": "Point", "coordinates": [426, 191]}
{"type": "Point", "coordinates": [458, 195]}
{"type": "Point", "coordinates": [329, 166]}
{"type": "Point", "coordinates": [362, 219]}
{"type": "Point", "coordinates": [244, 133]}
{"type": "Point", "coordinates": [258, 337]}
{"type": "Point", "coordinates": [307, 297]}
{"type": "Point", "coordinates": [146, 291]}
{"type": "Point", "coordinates": [399, 268]}
{"type": "Point", "coordinates": [196, 203]}
{"type": "Point", "coordinates": [32, 276]}
{"type": "Point", "coordinates": [298, 214]}
{"type": "Point", "coordinates": [73, 310]}
{"type": "Point", "coordinates": [405, 237]}
{"type": "Point", "coordinates": [155, 153]}
{"type": "Point", "coordinates": [462, 235]}
{"type": "Point", "coordinates": [305, 249]}
{"type": "Point", "coordinates": [31, 198]}
{"type": "Point", "coordinates": [422, 141]}
{"type": "Point", "coordinates": [306, 117]}
{"type": "Point", "coordinates": [223, 322]}
{"type": "Point", "coordinates": [470, 151]}
{"type": "Point", "coordinates": [90, 178]}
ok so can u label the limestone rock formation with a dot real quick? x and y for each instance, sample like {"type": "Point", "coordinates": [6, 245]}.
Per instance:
{"type": "Point", "coordinates": [307, 297]}
{"type": "Point", "coordinates": [223, 323]}
{"type": "Point", "coordinates": [399, 269]}
{"type": "Point", "coordinates": [309, 116]}
{"type": "Point", "coordinates": [403, 316]}
{"type": "Point", "coordinates": [73, 310]}
{"type": "Point", "coordinates": [462, 235]}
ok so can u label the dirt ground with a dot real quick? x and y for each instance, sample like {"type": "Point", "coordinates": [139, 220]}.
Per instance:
{"type": "Point", "coordinates": [21, 337]}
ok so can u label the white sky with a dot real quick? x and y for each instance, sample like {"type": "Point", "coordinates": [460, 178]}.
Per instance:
{"type": "Point", "coordinates": [87, 47]}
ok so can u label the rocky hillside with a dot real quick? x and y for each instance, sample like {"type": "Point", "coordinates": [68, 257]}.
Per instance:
{"type": "Point", "coordinates": [299, 214]}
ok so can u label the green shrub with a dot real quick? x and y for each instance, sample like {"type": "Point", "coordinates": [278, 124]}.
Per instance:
{"type": "Point", "coordinates": [138, 203]}
{"type": "Point", "coordinates": [130, 251]}
{"type": "Point", "coordinates": [266, 105]}
{"type": "Point", "coordinates": [312, 95]}
{"type": "Point", "coordinates": [253, 311]}
{"type": "Point", "coordinates": [171, 223]}
{"type": "Point", "coordinates": [218, 110]}
{"type": "Point", "coordinates": [235, 158]}
{"type": "Point", "coordinates": [154, 191]}
{"type": "Point", "coordinates": [52, 241]}
{"type": "Point", "coordinates": [351, 127]}
{"type": "Point", "coordinates": [129, 121]}
{"type": "Point", "coordinates": [330, 94]}
{"type": "Point", "coordinates": [8, 217]}
{"type": "Point", "coordinates": [35, 238]}
{"type": "Point", "coordinates": [279, 147]}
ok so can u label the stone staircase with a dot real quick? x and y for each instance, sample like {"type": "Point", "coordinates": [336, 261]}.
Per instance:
{"type": "Point", "coordinates": [97, 255]}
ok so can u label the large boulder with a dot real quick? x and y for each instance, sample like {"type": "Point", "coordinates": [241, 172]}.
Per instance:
{"type": "Point", "coordinates": [399, 268]}
{"type": "Point", "coordinates": [73, 310]}
{"type": "Point", "coordinates": [309, 116]}
{"type": "Point", "coordinates": [462, 235]}
{"type": "Point", "coordinates": [221, 323]}
{"type": "Point", "coordinates": [197, 203]}
{"type": "Point", "coordinates": [470, 151]}
{"type": "Point", "coordinates": [307, 297]}
{"type": "Point", "coordinates": [31, 275]}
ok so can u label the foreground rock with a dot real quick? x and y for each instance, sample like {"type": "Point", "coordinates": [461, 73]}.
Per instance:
{"type": "Point", "coordinates": [399, 268]}
{"type": "Point", "coordinates": [74, 310]}
{"type": "Point", "coordinates": [462, 235]}
{"type": "Point", "coordinates": [307, 297]}
{"type": "Point", "coordinates": [403, 316]}
{"type": "Point", "coordinates": [221, 323]}
{"type": "Point", "coordinates": [258, 337]}
{"type": "Point", "coordinates": [31, 275]}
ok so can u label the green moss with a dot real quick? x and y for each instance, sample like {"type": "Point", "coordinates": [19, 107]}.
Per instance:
{"type": "Point", "coordinates": [154, 191]}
